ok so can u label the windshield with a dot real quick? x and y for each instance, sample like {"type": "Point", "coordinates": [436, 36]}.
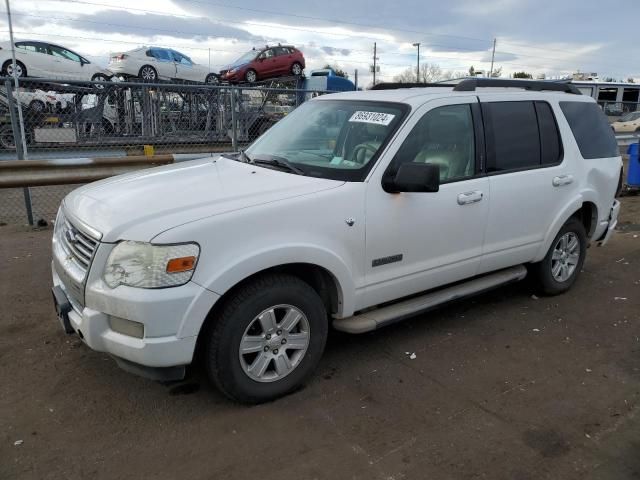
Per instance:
{"type": "Point", "coordinates": [630, 117]}
{"type": "Point", "coordinates": [337, 139]}
{"type": "Point", "coordinates": [246, 58]}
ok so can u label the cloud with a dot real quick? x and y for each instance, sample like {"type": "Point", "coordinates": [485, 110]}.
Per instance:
{"type": "Point", "coordinates": [153, 25]}
{"type": "Point", "coordinates": [499, 57]}
{"type": "Point", "coordinates": [345, 52]}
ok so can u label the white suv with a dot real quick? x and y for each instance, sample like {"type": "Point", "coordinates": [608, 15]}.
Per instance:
{"type": "Point", "coordinates": [357, 210]}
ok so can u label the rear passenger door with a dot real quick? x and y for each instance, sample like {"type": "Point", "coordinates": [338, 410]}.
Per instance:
{"type": "Point", "coordinates": [529, 179]}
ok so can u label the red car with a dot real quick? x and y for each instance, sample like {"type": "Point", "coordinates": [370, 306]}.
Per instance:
{"type": "Point", "coordinates": [268, 62]}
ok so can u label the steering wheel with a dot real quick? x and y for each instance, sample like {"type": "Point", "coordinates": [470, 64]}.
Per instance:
{"type": "Point", "coordinates": [363, 147]}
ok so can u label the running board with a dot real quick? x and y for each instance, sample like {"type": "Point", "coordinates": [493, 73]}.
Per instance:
{"type": "Point", "coordinates": [380, 317]}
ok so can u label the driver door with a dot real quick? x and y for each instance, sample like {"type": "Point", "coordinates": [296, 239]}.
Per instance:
{"type": "Point", "coordinates": [419, 241]}
{"type": "Point", "coordinates": [66, 64]}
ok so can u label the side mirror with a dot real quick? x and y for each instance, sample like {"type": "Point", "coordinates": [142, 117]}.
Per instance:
{"type": "Point", "coordinates": [413, 177]}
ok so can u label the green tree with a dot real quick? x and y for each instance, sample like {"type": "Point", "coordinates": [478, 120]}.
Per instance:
{"type": "Point", "coordinates": [522, 75]}
{"type": "Point", "coordinates": [338, 70]}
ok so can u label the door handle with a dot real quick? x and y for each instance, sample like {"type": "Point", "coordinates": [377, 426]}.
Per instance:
{"type": "Point", "coordinates": [467, 198]}
{"type": "Point", "coordinates": [561, 180]}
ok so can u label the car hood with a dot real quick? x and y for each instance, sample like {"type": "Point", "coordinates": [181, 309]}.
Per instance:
{"type": "Point", "coordinates": [143, 204]}
{"type": "Point", "coordinates": [231, 66]}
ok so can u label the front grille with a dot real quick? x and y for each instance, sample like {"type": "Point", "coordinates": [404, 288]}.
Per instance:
{"type": "Point", "coordinates": [78, 245]}
{"type": "Point", "coordinates": [73, 251]}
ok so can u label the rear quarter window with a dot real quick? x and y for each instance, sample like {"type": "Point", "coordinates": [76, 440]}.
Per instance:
{"type": "Point", "coordinates": [591, 129]}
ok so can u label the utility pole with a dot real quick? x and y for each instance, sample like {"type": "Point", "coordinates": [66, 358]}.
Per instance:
{"type": "Point", "coordinates": [22, 152]}
{"type": "Point", "coordinates": [209, 59]}
{"type": "Point", "coordinates": [355, 75]}
{"type": "Point", "coordinates": [493, 57]}
{"type": "Point", "coordinates": [418, 67]}
{"type": "Point", "coordinates": [375, 59]}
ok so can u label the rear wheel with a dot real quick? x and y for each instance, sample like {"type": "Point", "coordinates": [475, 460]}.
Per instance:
{"type": "Point", "coordinates": [7, 140]}
{"type": "Point", "coordinates": [212, 79]}
{"type": "Point", "coordinates": [296, 69]}
{"type": "Point", "coordinates": [251, 76]}
{"type": "Point", "coordinates": [560, 268]}
{"type": "Point", "coordinates": [267, 339]}
{"type": "Point", "coordinates": [148, 73]}
{"type": "Point", "coordinates": [99, 77]}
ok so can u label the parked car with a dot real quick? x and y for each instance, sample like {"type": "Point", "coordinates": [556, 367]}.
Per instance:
{"type": "Point", "coordinates": [265, 63]}
{"type": "Point", "coordinates": [356, 210]}
{"type": "Point", "coordinates": [154, 63]}
{"type": "Point", "coordinates": [628, 123]}
{"type": "Point", "coordinates": [48, 60]}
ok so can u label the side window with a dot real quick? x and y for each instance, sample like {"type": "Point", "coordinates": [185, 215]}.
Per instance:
{"type": "Point", "coordinates": [591, 129]}
{"type": "Point", "coordinates": [268, 53]}
{"type": "Point", "coordinates": [66, 54]}
{"type": "Point", "coordinates": [445, 137]}
{"type": "Point", "coordinates": [550, 142]}
{"type": "Point", "coordinates": [513, 141]}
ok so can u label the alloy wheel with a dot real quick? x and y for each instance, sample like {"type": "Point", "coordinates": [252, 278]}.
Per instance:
{"type": "Point", "coordinates": [565, 257]}
{"type": "Point", "coordinates": [274, 343]}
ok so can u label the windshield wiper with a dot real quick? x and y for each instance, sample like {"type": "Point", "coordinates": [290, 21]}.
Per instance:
{"type": "Point", "coordinates": [276, 161]}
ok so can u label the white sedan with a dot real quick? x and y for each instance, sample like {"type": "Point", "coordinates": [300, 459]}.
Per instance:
{"type": "Point", "coordinates": [47, 60]}
{"type": "Point", "coordinates": [153, 63]}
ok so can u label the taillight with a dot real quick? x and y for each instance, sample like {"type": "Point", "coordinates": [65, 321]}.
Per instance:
{"type": "Point", "coordinates": [120, 56]}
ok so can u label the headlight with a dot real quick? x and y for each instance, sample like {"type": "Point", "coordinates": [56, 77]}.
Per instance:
{"type": "Point", "coordinates": [143, 265]}
{"type": "Point", "coordinates": [233, 70]}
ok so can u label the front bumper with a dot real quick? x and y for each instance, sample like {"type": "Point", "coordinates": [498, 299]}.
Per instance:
{"type": "Point", "coordinates": [171, 317]}
{"type": "Point", "coordinates": [611, 225]}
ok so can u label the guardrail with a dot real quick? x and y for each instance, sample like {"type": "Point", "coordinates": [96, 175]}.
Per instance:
{"type": "Point", "coordinates": [624, 140]}
{"type": "Point", "coordinates": [37, 173]}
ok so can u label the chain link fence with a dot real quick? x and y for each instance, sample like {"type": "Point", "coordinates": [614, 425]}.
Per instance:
{"type": "Point", "coordinates": [65, 120]}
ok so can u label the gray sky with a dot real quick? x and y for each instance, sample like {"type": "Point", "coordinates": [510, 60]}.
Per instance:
{"type": "Point", "coordinates": [542, 36]}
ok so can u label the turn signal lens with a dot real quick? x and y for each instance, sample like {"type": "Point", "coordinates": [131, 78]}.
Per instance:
{"type": "Point", "coordinates": [184, 264]}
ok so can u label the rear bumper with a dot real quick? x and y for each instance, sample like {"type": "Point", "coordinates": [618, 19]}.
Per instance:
{"type": "Point", "coordinates": [611, 224]}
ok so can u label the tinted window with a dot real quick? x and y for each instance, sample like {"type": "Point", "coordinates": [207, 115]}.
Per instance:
{"type": "Point", "coordinates": [551, 150]}
{"type": "Point", "coordinates": [591, 129]}
{"type": "Point", "coordinates": [444, 137]}
{"type": "Point", "coordinates": [32, 47]}
{"type": "Point", "coordinates": [64, 53]}
{"type": "Point", "coordinates": [512, 136]}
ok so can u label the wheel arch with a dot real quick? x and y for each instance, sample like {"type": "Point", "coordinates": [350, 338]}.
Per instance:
{"type": "Point", "coordinates": [582, 207]}
{"type": "Point", "coordinates": [321, 279]}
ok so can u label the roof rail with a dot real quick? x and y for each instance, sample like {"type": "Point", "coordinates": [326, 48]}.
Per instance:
{"type": "Point", "coordinates": [396, 85]}
{"type": "Point", "coordinates": [471, 84]}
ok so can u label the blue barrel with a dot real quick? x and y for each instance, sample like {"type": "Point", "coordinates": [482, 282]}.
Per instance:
{"type": "Point", "coordinates": [633, 175]}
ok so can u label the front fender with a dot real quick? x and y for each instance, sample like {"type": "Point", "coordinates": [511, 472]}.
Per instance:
{"type": "Point", "coordinates": [223, 280]}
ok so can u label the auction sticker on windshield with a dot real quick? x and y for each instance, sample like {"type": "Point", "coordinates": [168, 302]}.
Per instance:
{"type": "Point", "coordinates": [372, 117]}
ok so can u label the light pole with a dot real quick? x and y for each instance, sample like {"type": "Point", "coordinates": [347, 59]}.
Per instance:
{"type": "Point", "coordinates": [418, 68]}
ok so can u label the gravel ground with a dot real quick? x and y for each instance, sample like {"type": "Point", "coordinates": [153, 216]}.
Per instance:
{"type": "Point", "coordinates": [504, 386]}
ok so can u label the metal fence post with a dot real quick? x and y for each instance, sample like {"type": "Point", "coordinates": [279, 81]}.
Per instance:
{"type": "Point", "coordinates": [15, 128]}
{"type": "Point", "coordinates": [234, 120]}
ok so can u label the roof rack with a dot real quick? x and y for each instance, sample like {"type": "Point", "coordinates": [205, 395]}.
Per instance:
{"type": "Point", "coordinates": [396, 85]}
{"type": "Point", "coordinates": [471, 84]}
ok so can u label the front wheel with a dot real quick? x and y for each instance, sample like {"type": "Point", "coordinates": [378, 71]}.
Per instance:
{"type": "Point", "coordinates": [251, 76]}
{"type": "Point", "coordinates": [560, 268]}
{"type": "Point", "coordinates": [267, 339]}
{"type": "Point", "coordinates": [99, 77]}
{"type": "Point", "coordinates": [296, 69]}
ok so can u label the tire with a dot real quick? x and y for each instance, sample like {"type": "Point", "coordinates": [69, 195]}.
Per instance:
{"type": "Point", "coordinates": [296, 69]}
{"type": "Point", "coordinates": [212, 79]}
{"type": "Point", "coordinates": [37, 106]}
{"type": "Point", "coordinates": [99, 77]}
{"type": "Point", "coordinates": [251, 76]}
{"type": "Point", "coordinates": [148, 74]}
{"type": "Point", "coordinates": [7, 69]}
{"type": "Point", "coordinates": [559, 269]}
{"type": "Point", "coordinates": [245, 316]}
{"type": "Point", "coordinates": [6, 138]}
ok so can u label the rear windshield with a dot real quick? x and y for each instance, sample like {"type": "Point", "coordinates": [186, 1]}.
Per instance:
{"type": "Point", "coordinates": [591, 129]}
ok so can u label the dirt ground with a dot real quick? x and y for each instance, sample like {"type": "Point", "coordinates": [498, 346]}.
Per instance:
{"type": "Point", "coordinates": [504, 386]}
